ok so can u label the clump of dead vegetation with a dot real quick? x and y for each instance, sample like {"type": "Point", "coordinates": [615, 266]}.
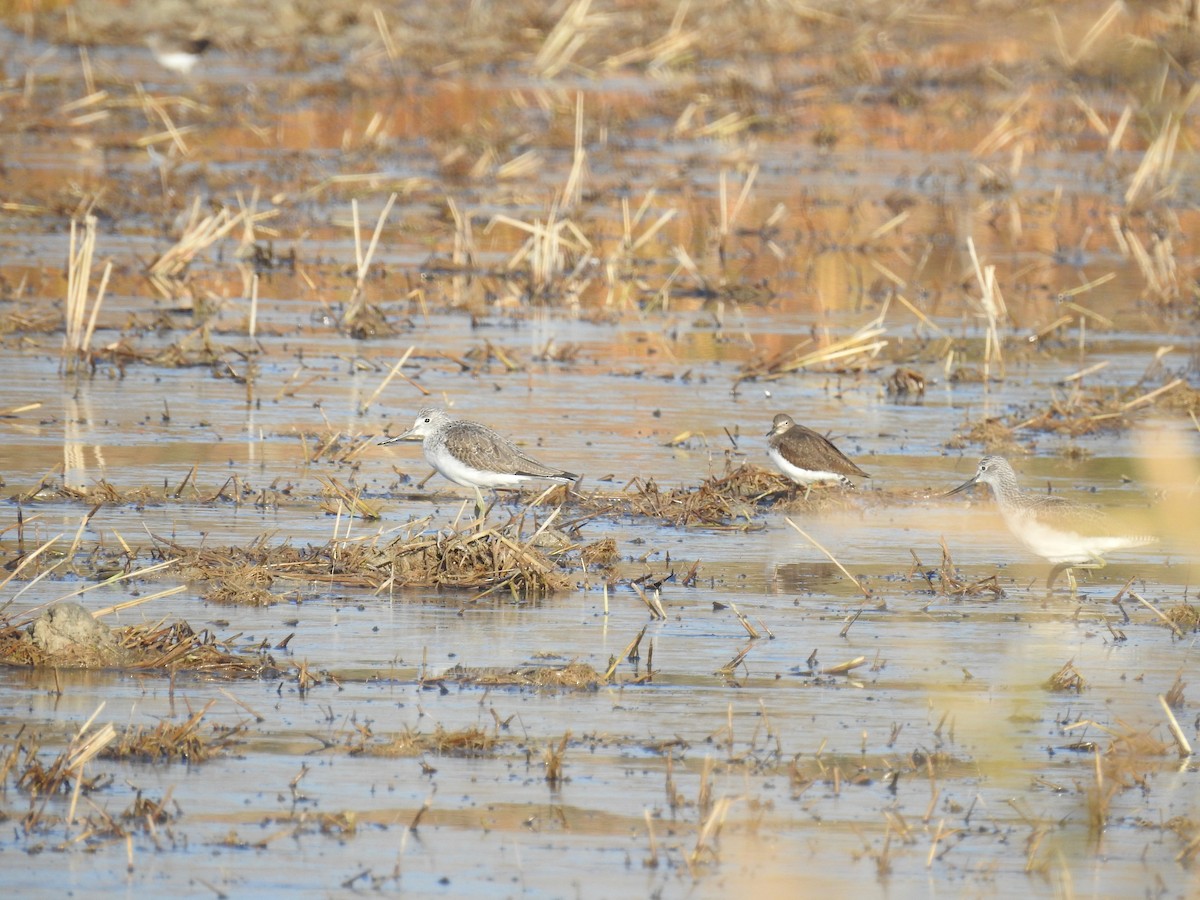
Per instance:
{"type": "Point", "coordinates": [947, 581]}
{"type": "Point", "coordinates": [1083, 411]}
{"type": "Point", "coordinates": [68, 636]}
{"type": "Point", "coordinates": [850, 355]}
{"type": "Point", "coordinates": [470, 558]}
{"type": "Point", "coordinates": [1184, 616]}
{"type": "Point", "coordinates": [171, 742]}
{"type": "Point", "coordinates": [1067, 679]}
{"type": "Point", "coordinates": [730, 501]}
{"type": "Point", "coordinates": [468, 742]}
{"type": "Point", "coordinates": [574, 676]}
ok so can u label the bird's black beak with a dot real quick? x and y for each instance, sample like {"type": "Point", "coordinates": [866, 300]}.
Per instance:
{"type": "Point", "coordinates": [399, 437]}
{"type": "Point", "coordinates": [963, 486]}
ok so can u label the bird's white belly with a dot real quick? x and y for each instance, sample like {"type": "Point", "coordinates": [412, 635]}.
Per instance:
{"type": "Point", "coordinates": [1063, 546]}
{"type": "Point", "coordinates": [453, 469]}
{"type": "Point", "coordinates": [802, 476]}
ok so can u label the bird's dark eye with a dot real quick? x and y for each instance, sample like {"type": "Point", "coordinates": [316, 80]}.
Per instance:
{"type": "Point", "coordinates": [428, 420]}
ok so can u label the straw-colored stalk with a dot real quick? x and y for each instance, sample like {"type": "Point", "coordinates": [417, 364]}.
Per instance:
{"type": "Point", "coordinates": [167, 272]}
{"type": "Point", "coordinates": [1154, 171]}
{"type": "Point", "coordinates": [363, 260]}
{"type": "Point", "coordinates": [994, 309]}
{"type": "Point", "coordinates": [77, 337]}
{"type": "Point", "coordinates": [567, 37]}
{"type": "Point", "coordinates": [1072, 58]}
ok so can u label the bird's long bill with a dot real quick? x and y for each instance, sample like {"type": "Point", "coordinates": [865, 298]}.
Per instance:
{"type": "Point", "coordinates": [963, 486]}
{"type": "Point", "coordinates": [400, 437]}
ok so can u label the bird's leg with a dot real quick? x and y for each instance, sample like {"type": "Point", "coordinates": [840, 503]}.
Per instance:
{"type": "Point", "coordinates": [480, 509]}
{"type": "Point", "coordinates": [1055, 572]}
{"type": "Point", "coordinates": [1096, 562]}
{"type": "Point", "coordinates": [807, 488]}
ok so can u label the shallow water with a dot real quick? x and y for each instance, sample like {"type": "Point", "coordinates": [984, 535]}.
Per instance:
{"type": "Point", "coordinates": [941, 764]}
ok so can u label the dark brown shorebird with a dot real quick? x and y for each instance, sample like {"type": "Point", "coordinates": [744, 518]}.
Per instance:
{"type": "Point", "coordinates": [806, 457]}
{"type": "Point", "coordinates": [1068, 534]}
{"type": "Point", "coordinates": [474, 455]}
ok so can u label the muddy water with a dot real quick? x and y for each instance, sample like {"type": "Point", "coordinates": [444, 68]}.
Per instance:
{"type": "Point", "coordinates": [942, 764]}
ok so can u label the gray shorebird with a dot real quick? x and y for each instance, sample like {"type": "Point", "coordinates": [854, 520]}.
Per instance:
{"type": "Point", "coordinates": [474, 455]}
{"type": "Point", "coordinates": [1068, 534]}
{"type": "Point", "coordinates": [179, 54]}
{"type": "Point", "coordinates": [807, 457]}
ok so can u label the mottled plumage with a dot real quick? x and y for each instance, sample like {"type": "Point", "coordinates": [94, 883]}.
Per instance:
{"type": "Point", "coordinates": [807, 457]}
{"type": "Point", "coordinates": [474, 455]}
{"type": "Point", "coordinates": [1062, 531]}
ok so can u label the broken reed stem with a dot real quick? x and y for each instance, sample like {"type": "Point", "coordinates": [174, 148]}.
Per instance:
{"type": "Point", "coordinates": [573, 189]}
{"type": "Point", "coordinates": [750, 629]}
{"type": "Point", "coordinates": [993, 308]}
{"type": "Point", "coordinates": [630, 648]}
{"type": "Point", "coordinates": [128, 604]}
{"type": "Point", "coordinates": [1185, 748]}
{"type": "Point", "coordinates": [253, 306]}
{"type": "Point", "coordinates": [115, 579]}
{"type": "Point", "coordinates": [1142, 600]}
{"type": "Point", "coordinates": [30, 558]}
{"type": "Point", "coordinates": [363, 260]}
{"type": "Point", "coordinates": [652, 602]}
{"type": "Point", "coordinates": [77, 337]}
{"type": "Point", "coordinates": [712, 826]}
{"type": "Point", "coordinates": [395, 370]}
{"type": "Point", "coordinates": [866, 593]}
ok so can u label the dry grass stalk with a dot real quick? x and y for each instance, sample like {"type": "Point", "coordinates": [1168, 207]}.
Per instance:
{"type": "Point", "coordinates": [573, 189]}
{"type": "Point", "coordinates": [951, 584]}
{"type": "Point", "coordinates": [1067, 678]}
{"type": "Point", "coordinates": [357, 304]}
{"type": "Point", "coordinates": [28, 615]}
{"type": "Point", "coordinates": [138, 601]}
{"type": "Point", "coordinates": [750, 629]}
{"type": "Point", "coordinates": [392, 373]}
{"type": "Point", "coordinates": [170, 742]}
{"type": "Point", "coordinates": [46, 781]}
{"type": "Point", "coordinates": [553, 258]}
{"type": "Point", "coordinates": [1072, 59]}
{"type": "Point", "coordinates": [850, 354]}
{"type": "Point", "coordinates": [350, 501]}
{"type": "Point", "coordinates": [653, 601]}
{"type": "Point", "coordinates": [1181, 741]}
{"type": "Point", "coordinates": [730, 668]}
{"type": "Point", "coordinates": [845, 667]}
{"type": "Point", "coordinates": [1166, 620]}
{"type": "Point", "coordinates": [630, 652]}
{"type": "Point", "coordinates": [29, 558]}
{"type": "Point", "coordinates": [833, 559]}
{"type": "Point", "coordinates": [705, 848]}
{"type": "Point", "coordinates": [994, 310]}
{"type": "Point", "coordinates": [168, 272]}
{"type": "Point", "coordinates": [553, 759]}
{"type": "Point", "coordinates": [77, 336]}
{"type": "Point", "coordinates": [467, 743]}
{"type": "Point", "coordinates": [1154, 172]}
{"type": "Point", "coordinates": [567, 37]}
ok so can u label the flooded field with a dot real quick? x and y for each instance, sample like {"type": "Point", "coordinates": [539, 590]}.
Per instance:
{"type": "Point", "coordinates": [625, 236]}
